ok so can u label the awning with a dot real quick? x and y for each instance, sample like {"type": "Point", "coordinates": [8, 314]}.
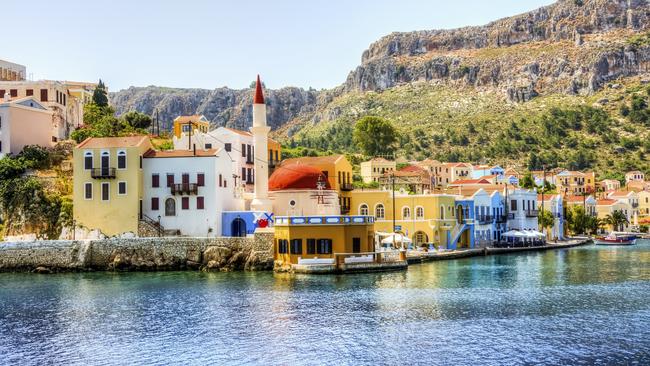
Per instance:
{"type": "Point", "coordinates": [399, 238]}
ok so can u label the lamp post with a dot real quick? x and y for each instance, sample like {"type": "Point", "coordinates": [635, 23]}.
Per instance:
{"type": "Point", "coordinates": [159, 226]}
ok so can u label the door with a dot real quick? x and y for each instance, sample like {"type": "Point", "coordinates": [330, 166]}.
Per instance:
{"type": "Point", "coordinates": [356, 245]}
{"type": "Point", "coordinates": [105, 162]}
{"type": "Point", "coordinates": [238, 227]}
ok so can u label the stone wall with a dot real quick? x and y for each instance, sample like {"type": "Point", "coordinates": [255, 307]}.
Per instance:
{"type": "Point", "coordinates": [141, 254]}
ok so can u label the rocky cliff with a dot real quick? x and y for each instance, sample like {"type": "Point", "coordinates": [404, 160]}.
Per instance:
{"type": "Point", "coordinates": [572, 47]}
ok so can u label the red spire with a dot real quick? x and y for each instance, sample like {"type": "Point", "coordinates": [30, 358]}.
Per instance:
{"type": "Point", "coordinates": [259, 95]}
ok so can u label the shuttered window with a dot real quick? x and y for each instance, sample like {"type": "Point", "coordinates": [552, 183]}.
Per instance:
{"type": "Point", "coordinates": [185, 203]}
{"type": "Point", "coordinates": [170, 179]}
{"type": "Point", "coordinates": [155, 180]}
{"type": "Point", "coordinates": [155, 204]}
{"type": "Point", "coordinates": [200, 179]}
{"type": "Point", "coordinates": [43, 95]}
{"type": "Point", "coordinates": [200, 203]}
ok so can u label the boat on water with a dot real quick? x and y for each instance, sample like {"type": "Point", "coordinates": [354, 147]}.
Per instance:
{"type": "Point", "coordinates": [616, 239]}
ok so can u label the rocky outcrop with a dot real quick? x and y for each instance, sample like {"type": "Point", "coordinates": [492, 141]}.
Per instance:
{"type": "Point", "coordinates": [222, 106]}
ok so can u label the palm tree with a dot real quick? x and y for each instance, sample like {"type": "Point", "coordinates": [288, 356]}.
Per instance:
{"type": "Point", "coordinates": [595, 224]}
{"type": "Point", "coordinates": [617, 220]}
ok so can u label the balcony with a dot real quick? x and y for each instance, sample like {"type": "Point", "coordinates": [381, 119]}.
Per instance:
{"type": "Point", "coordinates": [102, 173]}
{"type": "Point", "coordinates": [532, 213]}
{"type": "Point", "coordinates": [635, 205]}
{"type": "Point", "coordinates": [503, 218]}
{"type": "Point", "coordinates": [345, 210]}
{"type": "Point", "coordinates": [485, 219]}
{"type": "Point", "coordinates": [347, 187]}
{"type": "Point", "coordinates": [184, 188]}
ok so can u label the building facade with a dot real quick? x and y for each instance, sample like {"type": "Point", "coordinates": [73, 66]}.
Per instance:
{"type": "Point", "coordinates": [373, 169]}
{"type": "Point", "coordinates": [24, 122]}
{"type": "Point", "coordinates": [522, 209]}
{"type": "Point", "coordinates": [10, 71]}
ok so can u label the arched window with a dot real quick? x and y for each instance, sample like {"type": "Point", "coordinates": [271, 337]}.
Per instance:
{"type": "Point", "coordinates": [406, 213]}
{"type": "Point", "coordinates": [170, 207]}
{"type": "Point", "coordinates": [121, 159]}
{"type": "Point", "coordinates": [379, 211]}
{"type": "Point", "coordinates": [419, 213]}
{"type": "Point", "coordinates": [88, 160]}
{"type": "Point", "coordinates": [363, 210]}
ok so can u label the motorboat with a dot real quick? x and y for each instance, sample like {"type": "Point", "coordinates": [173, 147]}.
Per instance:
{"type": "Point", "coordinates": [616, 239]}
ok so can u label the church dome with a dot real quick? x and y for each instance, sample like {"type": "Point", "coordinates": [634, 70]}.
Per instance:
{"type": "Point", "coordinates": [296, 176]}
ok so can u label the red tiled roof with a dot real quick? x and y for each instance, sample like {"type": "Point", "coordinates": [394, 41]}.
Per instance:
{"type": "Point", "coordinates": [180, 153]}
{"type": "Point", "coordinates": [606, 202]}
{"type": "Point", "coordinates": [106, 142]}
{"type": "Point", "coordinates": [470, 181]}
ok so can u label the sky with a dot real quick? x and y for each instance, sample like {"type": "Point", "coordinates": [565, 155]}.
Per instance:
{"type": "Point", "coordinates": [210, 44]}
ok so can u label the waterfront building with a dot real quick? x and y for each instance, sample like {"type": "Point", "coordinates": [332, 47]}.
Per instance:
{"type": "Point", "coordinates": [65, 99]}
{"type": "Point", "coordinates": [424, 218]}
{"type": "Point", "coordinates": [522, 209]}
{"type": "Point", "coordinates": [24, 121]}
{"type": "Point", "coordinates": [631, 201]}
{"type": "Point", "coordinates": [336, 169]}
{"type": "Point", "coordinates": [373, 169]}
{"type": "Point", "coordinates": [412, 178]}
{"type": "Point", "coordinates": [302, 190]}
{"type": "Point", "coordinates": [107, 183]}
{"type": "Point", "coordinates": [644, 204]}
{"type": "Point", "coordinates": [634, 176]}
{"type": "Point", "coordinates": [607, 206]}
{"type": "Point", "coordinates": [239, 145]}
{"type": "Point", "coordinates": [194, 123]}
{"type": "Point", "coordinates": [10, 71]}
{"type": "Point", "coordinates": [587, 202]}
{"type": "Point", "coordinates": [554, 204]}
{"type": "Point", "coordinates": [498, 211]}
{"type": "Point", "coordinates": [186, 192]}
{"type": "Point", "coordinates": [570, 182]}
{"type": "Point", "coordinates": [484, 221]}
{"type": "Point", "coordinates": [608, 185]}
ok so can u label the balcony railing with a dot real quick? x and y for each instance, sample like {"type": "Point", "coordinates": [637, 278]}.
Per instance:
{"type": "Point", "coordinates": [102, 173]}
{"type": "Point", "coordinates": [532, 213]}
{"type": "Point", "coordinates": [635, 204]}
{"type": "Point", "coordinates": [503, 218]}
{"type": "Point", "coordinates": [347, 186]}
{"type": "Point", "coordinates": [184, 188]}
{"type": "Point", "coordinates": [485, 219]}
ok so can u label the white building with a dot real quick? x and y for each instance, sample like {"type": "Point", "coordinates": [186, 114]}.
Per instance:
{"type": "Point", "coordinates": [553, 203]}
{"type": "Point", "coordinates": [634, 176]}
{"type": "Point", "coordinates": [522, 209]}
{"type": "Point", "coordinates": [187, 191]}
{"type": "Point", "coordinates": [24, 122]}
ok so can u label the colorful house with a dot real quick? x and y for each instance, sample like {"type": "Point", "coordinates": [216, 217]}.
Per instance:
{"type": "Point", "coordinates": [554, 204]}
{"type": "Point", "coordinates": [373, 169]}
{"type": "Point", "coordinates": [522, 209]}
{"type": "Point", "coordinates": [190, 124]}
{"type": "Point", "coordinates": [607, 206]}
{"type": "Point", "coordinates": [24, 121]}
{"type": "Point", "coordinates": [634, 176]}
{"type": "Point", "coordinates": [425, 218]}
{"type": "Point", "coordinates": [107, 183]}
{"type": "Point", "coordinates": [608, 185]}
{"type": "Point", "coordinates": [412, 178]}
{"type": "Point", "coordinates": [644, 204]}
{"type": "Point", "coordinates": [575, 183]}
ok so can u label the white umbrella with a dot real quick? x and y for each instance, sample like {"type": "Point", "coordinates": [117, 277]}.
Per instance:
{"type": "Point", "coordinates": [514, 233]}
{"type": "Point", "coordinates": [399, 238]}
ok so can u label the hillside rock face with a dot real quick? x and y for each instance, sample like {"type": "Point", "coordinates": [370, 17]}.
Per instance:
{"type": "Point", "coordinates": [570, 47]}
{"type": "Point", "coordinates": [222, 106]}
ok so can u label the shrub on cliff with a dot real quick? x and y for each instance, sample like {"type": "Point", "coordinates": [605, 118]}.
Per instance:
{"type": "Point", "coordinates": [375, 136]}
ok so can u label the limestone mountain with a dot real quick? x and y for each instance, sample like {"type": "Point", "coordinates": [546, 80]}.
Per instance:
{"type": "Point", "coordinates": [484, 93]}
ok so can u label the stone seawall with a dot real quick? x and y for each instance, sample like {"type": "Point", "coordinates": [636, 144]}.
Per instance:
{"type": "Point", "coordinates": [140, 254]}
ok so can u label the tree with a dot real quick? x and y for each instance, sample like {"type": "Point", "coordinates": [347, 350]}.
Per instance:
{"type": "Point", "coordinates": [576, 219]}
{"type": "Point", "coordinates": [527, 181]}
{"type": "Point", "coordinates": [617, 220]}
{"type": "Point", "coordinates": [100, 96]}
{"type": "Point", "coordinates": [374, 136]}
{"type": "Point", "coordinates": [136, 119]}
{"type": "Point", "coordinates": [545, 219]}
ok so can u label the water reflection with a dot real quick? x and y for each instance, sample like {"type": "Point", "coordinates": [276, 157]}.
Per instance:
{"type": "Point", "coordinates": [584, 305]}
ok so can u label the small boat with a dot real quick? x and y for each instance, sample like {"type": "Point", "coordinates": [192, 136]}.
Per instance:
{"type": "Point", "coordinates": [616, 239]}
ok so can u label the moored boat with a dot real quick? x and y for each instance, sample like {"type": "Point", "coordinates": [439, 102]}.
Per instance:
{"type": "Point", "coordinates": [616, 239]}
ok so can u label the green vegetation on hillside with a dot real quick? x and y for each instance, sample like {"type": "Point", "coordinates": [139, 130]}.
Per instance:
{"type": "Point", "coordinates": [100, 121]}
{"type": "Point", "coordinates": [607, 132]}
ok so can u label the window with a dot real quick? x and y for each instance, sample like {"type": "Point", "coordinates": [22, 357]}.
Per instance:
{"type": "Point", "coordinates": [513, 205]}
{"type": "Point", "coordinates": [2, 93]}
{"type": "Point", "coordinates": [88, 191]}
{"type": "Point", "coordinates": [170, 179]}
{"type": "Point", "coordinates": [296, 246]}
{"type": "Point", "coordinates": [419, 213]}
{"type": "Point", "coordinates": [311, 246]}
{"type": "Point", "coordinates": [88, 160]}
{"type": "Point", "coordinates": [121, 188]}
{"type": "Point", "coordinates": [228, 146]}
{"type": "Point", "coordinates": [140, 161]}
{"type": "Point", "coordinates": [406, 213]}
{"type": "Point", "coordinates": [442, 212]}
{"type": "Point", "coordinates": [208, 146]}
{"type": "Point", "coordinates": [243, 150]}
{"type": "Point", "coordinates": [155, 180]}
{"type": "Point", "coordinates": [43, 95]}
{"type": "Point", "coordinates": [185, 128]}
{"type": "Point", "coordinates": [121, 160]}
{"type": "Point", "coordinates": [243, 174]}
{"type": "Point", "coordinates": [324, 246]}
{"type": "Point", "coordinates": [13, 93]}
{"type": "Point", "coordinates": [363, 209]}
{"type": "Point", "coordinates": [220, 180]}
{"type": "Point", "coordinates": [379, 211]}
{"type": "Point", "coordinates": [185, 203]}
{"type": "Point", "coordinates": [155, 204]}
{"type": "Point", "coordinates": [200, 179]}
{"type": "Point", "coordinates": [200, 203]}
{"type": "Point", "coordinates": [170, 207]}
{"type": "Point", "coordinates": [283, 246]}
{"type": "Point", "coordinates": [185, 178]}
{"type": "Point", "coordinates": [105, 191]}
{"type": "Point", "coordinates": [29, 92]}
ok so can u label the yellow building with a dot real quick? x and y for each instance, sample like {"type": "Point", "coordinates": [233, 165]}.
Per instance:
{"type": "Point", "coordinates": [185, 124]}
{"type": "Point", "coordinates": [644, 204]}
{"type": "Point", "coordinates": [373, 169]}
{"type": "Point", "coordinates": [570, 182]}
{"type": "Point", "coordinates": [607, 206]}
{"type": "Point", "coordinates": [338, 171]}
{"type": "Point", "coordinates": [107, 193]}
{"type": "Point", "coordinates": [429, 218]}
{"type": "Point", "coordinates": [306, 239]}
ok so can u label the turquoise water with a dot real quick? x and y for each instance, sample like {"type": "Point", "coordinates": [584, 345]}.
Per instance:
{"type": "Point", "coordinates": [588, 305]}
